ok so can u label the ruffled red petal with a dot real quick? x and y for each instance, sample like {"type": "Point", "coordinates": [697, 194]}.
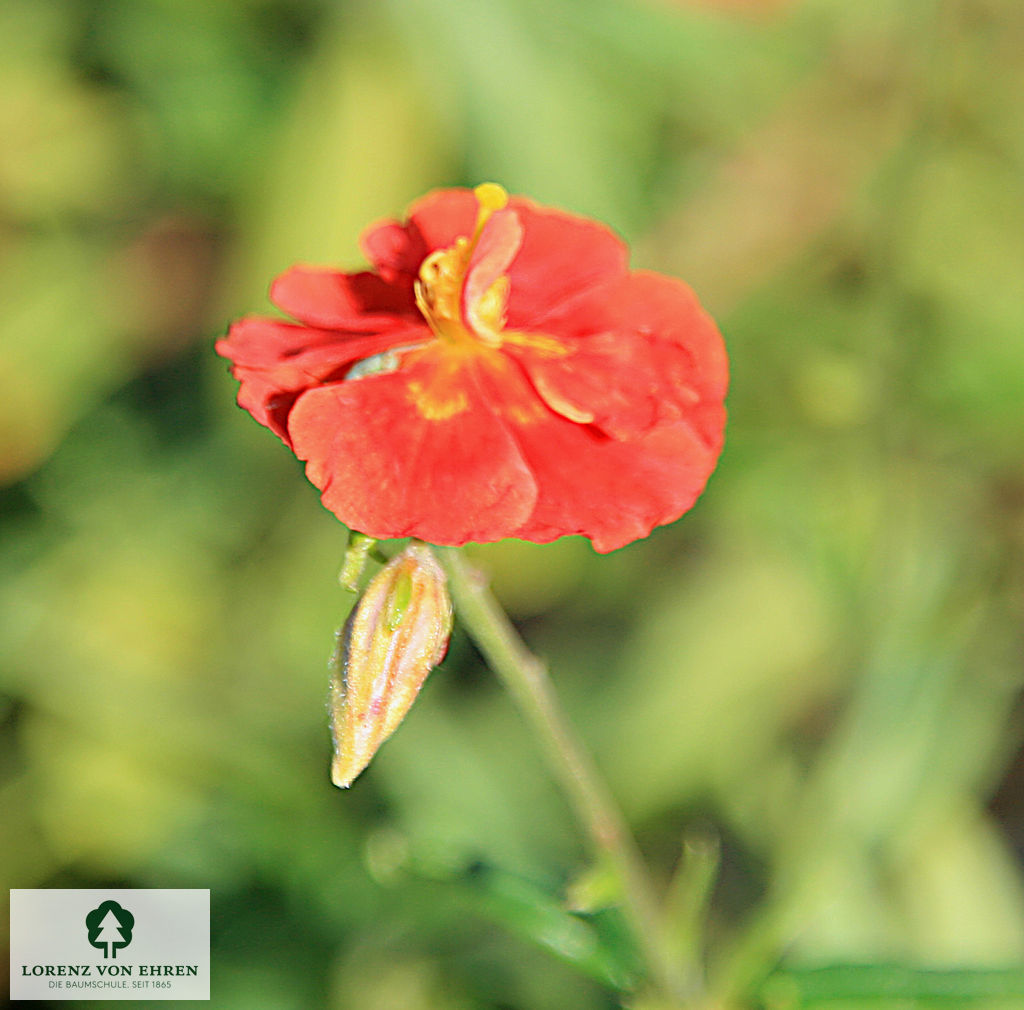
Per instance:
{"type": "Point", "coordinates": [638, 351]}
{"type": "Point", "coordinates": [656, 306]}
{"type": "Point", "coordinates": [608, 381]}
{"type": "Point", "coordinates": [440, 217]}
{"type": "Point", "coordinates": [561, 257]}
{"type": "Point", "coordinates": [434, 222]}
{"type": "Point", "coordinates": [395, 253]}
{"type": "Point", "coordinates": [612, 491]}
{"type": "Point", "coordinates": [387, 470]}
{"type": "Point", "coordinates": [275, 361]}
{"type": "Point", "coordinates": [361, 302]}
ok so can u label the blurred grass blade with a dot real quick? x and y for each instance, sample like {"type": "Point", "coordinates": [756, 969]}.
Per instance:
{"type": "Point", "coordinates": [913, 987]}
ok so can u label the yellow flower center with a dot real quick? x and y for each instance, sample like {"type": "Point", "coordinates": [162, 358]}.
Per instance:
{"type": "Point", "coordinates": [442, 279]}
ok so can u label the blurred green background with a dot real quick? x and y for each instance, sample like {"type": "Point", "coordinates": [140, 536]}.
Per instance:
{"type": "Point", "coordinates": [820, 666]}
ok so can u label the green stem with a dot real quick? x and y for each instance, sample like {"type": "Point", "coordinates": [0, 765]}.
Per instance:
{"type": "Point", "coordinates": [526, 679]}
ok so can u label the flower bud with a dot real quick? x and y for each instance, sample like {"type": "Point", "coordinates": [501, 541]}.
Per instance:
{"type": "Point", "coordinates": [396, 634]}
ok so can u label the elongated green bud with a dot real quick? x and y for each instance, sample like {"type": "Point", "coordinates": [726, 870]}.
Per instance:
{"type": "Point", "coordinates": [396, 634]}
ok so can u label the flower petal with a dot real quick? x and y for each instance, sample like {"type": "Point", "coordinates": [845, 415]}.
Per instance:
{"type": "Point", "coordinates": [612, 491]}
{"type": "Point", "coordinates": [561, 256]}
{"type": "Point", "coordinates": [417, 452]}
{"type": "Point", "coordinates": [275, 361]}
{"type": "Point", "coordinates": [395, 252]}
{"type": "Point", "coordinates": [440, 217]}
{"type": "Point", "coordinates": [655, 306]}
{"type": "Point", "coordinates": [609, 380]}
{"type": "Point", "coordinates": [360, 302]}
{"type": "Point", "coordinates": [639, 350]}
{"type": "Point", "coordinates": [434, 222]}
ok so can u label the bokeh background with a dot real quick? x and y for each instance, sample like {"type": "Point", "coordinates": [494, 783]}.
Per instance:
{"type": "Point", "coordinates": [820, 666]}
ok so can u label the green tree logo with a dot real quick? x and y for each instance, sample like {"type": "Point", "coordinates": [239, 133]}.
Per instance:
{"type": "Point", "coordinates": [110, 927]}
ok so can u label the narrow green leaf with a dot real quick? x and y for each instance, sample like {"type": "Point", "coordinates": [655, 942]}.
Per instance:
{"type": "Point", "coordinates": [597, 945]}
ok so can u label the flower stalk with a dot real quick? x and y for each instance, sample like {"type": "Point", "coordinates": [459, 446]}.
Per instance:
{"type": "Point", "coordinates": [526, 679]}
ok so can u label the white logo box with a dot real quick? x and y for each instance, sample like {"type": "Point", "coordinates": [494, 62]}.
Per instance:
{"type": "Point", "coordinates": [110, 944]}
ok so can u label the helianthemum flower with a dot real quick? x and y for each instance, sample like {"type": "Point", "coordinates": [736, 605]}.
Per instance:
{"type": "Point", "coordinates": [500, 373]}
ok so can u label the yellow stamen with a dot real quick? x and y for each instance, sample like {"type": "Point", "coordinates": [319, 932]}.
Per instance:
{"type": "Point", "coordinates": [442, 274]}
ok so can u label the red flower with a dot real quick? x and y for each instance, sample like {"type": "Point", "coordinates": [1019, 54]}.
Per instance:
{"type": "Point", "coordinates": [501, 373]}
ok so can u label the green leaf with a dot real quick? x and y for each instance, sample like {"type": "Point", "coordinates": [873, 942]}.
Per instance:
{"type": "Point", "coordinates": [597, 945]}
